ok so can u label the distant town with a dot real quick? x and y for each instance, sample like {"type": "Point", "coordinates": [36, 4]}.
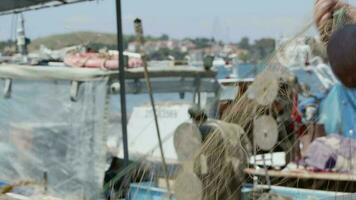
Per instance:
{"type": "Point", "coordinates": [159, 47]}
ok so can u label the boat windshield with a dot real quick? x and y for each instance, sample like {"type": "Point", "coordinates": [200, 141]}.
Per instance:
{"type": "Point", "coordinates": [310, 78]}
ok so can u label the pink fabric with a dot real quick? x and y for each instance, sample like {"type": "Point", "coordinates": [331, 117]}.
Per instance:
{"type": "Point", "coordinates": [96, 60]}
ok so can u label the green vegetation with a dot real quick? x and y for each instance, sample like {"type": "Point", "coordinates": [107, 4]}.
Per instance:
{"type": "Point", "coordinates": [245, 57]}
{"type": "Point", "coordinates": [7, 47]}
{"type": "Point", "coordinates": [164, 53]}
{"type": "Point", "coordinates": [157, 48]}
{"type": "Point", "coordinates": [202, 43]}
{"type": "Point", "coordinates": [244, 43]}
{"type": "Point", "coordinates": [97, 41]}
{"type": "Point", "coordinates": [258, 51]}
{"type": "Point", "coordinates": [90, 39]}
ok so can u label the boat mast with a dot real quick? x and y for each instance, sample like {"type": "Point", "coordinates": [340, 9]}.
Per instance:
{"type": "Point", "coordinates": [21, 37]}
{"type": "Point", "coordinates": [121, 77]}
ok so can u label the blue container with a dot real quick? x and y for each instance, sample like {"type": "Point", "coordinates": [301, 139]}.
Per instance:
{"type": "Point", "coordinates": [147, 191]}
{"type": "Point", "coordinates": [2, 183]}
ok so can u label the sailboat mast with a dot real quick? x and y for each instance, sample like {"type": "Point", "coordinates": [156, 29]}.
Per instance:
{"type": "Point", "coordinates": [121, 77]}
{"type": "Point", "coordinates": [21, 37]}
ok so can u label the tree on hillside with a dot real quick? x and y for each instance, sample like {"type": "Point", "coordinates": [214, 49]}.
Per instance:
{"type": "Point", "coordinates": [7, 43]}
{"type": "Point", "coordinates": [161, 54]}
{"type": "Point", "coordinates": [164, 53]}
{"type": "Point", "coordinates": [164, 37]}
{"type": "Point", "coordinates": [244, 43]}
{"type": "Point", "coordinates": [245, 57]}
{"type": "Point", "coordinates": [202, 42]}
{"type": "Point", "coordinates": [262, 48]}
{"type": "Point", "coordinates": [128, 39]}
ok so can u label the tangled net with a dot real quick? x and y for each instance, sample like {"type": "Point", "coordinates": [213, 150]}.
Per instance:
{"type": "Point", "coordinates": [216, 170]}
{"type": "Point", "coordinates": [340, 18]}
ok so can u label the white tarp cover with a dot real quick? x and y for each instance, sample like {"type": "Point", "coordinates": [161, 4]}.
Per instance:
{"type": "Point", "coordinates": [42, 130]}
{"type": "Point", "coordinates": [25, 72]}
{"type": "Point", "coordinates": [143, 141]}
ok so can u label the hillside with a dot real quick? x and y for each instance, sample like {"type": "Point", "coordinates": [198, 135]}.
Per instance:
{"type": "Point", "coordinates": [75, 38]}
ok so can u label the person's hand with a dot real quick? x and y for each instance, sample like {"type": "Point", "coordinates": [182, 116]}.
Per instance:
{"type": "Point", "coordinates": [324, 10]}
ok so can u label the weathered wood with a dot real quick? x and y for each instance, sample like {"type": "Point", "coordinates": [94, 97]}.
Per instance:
{"type": "Point", "coordinates": [181, 71]}
{"type": "Point", "coordinates": [172, 86]}
{"type": "Point", "coordinates": [303, 174]}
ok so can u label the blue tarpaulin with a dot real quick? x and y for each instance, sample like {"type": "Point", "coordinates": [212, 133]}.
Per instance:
{"type": "Point", "coordinates": [338, 111]}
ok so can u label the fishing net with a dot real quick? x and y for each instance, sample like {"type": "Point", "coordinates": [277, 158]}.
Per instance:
{"type": "Point", "coordinates": [271, 94]}
{"type": "Point", "coordinates": [45, 137]}
{"type": "Point", "coordinates": [340, 18]}
{"type": "Point", "coordinates": [226, 151]}
{"type": "Point", "coordinates": [54, 144]}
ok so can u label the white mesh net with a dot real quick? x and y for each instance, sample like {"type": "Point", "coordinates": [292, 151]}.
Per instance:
{"type": "Point", "coordinates": [43, 132]}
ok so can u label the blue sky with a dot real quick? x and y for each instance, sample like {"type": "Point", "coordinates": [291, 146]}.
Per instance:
{"type": "Point", "coordinates": [228, 20]}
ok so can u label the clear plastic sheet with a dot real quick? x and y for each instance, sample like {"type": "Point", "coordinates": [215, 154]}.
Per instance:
{"type": "Point", "coordinates": [43, 132]}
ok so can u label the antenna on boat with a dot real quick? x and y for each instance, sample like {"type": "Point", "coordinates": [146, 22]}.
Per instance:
{"type": "Point", "coordinates": [21, 37]}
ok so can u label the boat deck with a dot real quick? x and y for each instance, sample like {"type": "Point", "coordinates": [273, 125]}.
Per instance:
{"type": "Point", "coordinates": [178, 79]}
{"type": "Point", "coordinates": [340, 182]}
{"type": "Point", "coordinates": [29, 72]}
{"type": "Point", "coordinates": [303, 174]}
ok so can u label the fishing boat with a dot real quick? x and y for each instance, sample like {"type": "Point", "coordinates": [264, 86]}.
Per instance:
{"type": "Point", "coordinates": [226, 139]}
{"type": "Point", "coordinates": [73, 123]}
